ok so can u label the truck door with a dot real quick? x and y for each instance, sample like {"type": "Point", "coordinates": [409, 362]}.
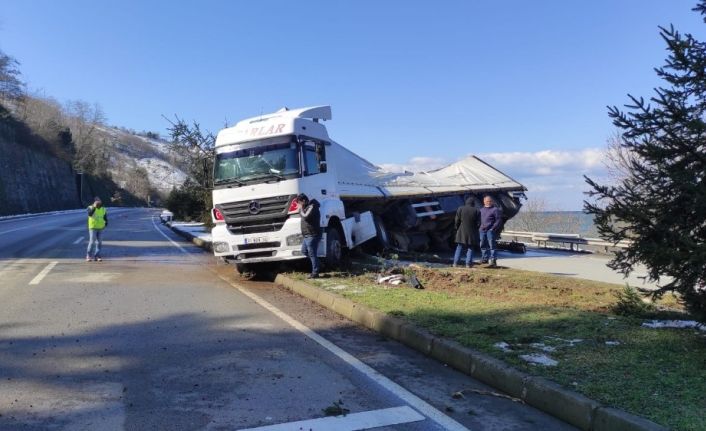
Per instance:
{"type": "Point", "coordinates": [317, 183]}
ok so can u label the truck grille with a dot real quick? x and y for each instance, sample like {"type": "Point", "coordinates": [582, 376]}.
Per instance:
{"type": "Point", "coordinates": [251, 255]}
{"type": "Point", "coordinates": [270, 215]}
{"type": "Point", "coordinates": [256, 245]}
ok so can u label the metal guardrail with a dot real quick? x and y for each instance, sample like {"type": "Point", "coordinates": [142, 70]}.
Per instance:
{"type": "Point", "coordinates": [572, 240]}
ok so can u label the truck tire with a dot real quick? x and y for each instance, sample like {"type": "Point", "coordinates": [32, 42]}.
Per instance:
{"type": "Point", "coordinates": [334, 249]}
{"type": "Point", "coordinates": [381, 237]}
{"type": "Point", "coordinates": [381, 242]}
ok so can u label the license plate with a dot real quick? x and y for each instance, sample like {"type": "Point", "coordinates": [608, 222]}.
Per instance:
{"type": "Point", "coordinates": [255, 240]}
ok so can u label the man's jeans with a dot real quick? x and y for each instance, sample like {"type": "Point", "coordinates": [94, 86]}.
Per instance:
{"type": "Point", "coordinates": [488, 242]}
{"type": "Point", "coordinates": [469, 253]}
{"type": "Point", "coordinates": [310, 245]}
{"type": "Point", "coordinates": [95, 236]}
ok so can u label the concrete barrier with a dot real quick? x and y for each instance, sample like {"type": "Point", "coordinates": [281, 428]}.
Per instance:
{"type": "Point", "coordinates": [206, 245]}
{"type": "Point", "coordinates": [609, 419]}
{"type": "Point", "coordinates": [562, 403]}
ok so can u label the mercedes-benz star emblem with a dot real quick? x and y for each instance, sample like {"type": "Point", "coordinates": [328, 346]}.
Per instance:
{"type": "Point", "coordinates": [254, 207]}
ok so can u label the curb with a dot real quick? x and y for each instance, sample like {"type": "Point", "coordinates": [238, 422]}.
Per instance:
{"type": "Point", "coordinates": [206, 245]}
{"type": "Point", "coordinates": [569, 406]}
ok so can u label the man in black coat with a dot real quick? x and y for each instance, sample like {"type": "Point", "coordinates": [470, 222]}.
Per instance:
{"type": "Point", "coordinates": [311, 230]}
{"type": "Point", "coordinates": [467, 223]}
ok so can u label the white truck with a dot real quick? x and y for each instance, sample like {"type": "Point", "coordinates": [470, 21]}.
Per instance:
{"type": "Point", "coordinates": [263, 163]}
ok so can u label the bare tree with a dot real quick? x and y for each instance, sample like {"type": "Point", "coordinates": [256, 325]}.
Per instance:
{"type": "Point", "coordinates": [11, 87]}
{"type": "Point", "coordinates": [43, 115]}
{"type": "Point", "coordinates": [531, 217]}
{"type": "Point", "coordinates": [138, 183]}
{"type": "Point", "coordinates": [619, 158]}
{"type": "Point", "coordinates": [92, 154]}
{"type": "Point", "coordinates": [537, 215]}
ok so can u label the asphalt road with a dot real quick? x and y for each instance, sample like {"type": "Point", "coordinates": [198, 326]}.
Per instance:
{"type": "Point", "coordinates": [577, 265]}
{"type": "Point", "coordinates": [159, 337]}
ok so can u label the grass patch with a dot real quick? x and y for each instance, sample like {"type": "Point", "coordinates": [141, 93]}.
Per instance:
{"type": "Point", "coordinates": [656, 373]}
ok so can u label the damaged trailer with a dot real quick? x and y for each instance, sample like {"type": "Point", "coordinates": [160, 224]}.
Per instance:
{"type": "Point", "coordinates": [263, 163]}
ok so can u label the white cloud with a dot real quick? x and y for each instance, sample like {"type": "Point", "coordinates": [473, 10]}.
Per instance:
{"type": "Point", "coordinates": [548, 162]}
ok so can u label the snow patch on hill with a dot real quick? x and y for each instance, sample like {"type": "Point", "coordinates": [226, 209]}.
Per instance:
{"type": "Point", "coordinates": [163, 175]}
{"type": "Point", "coordinates": [131, 150]}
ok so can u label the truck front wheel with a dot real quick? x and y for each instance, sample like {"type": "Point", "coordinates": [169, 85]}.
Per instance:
{"type": "Point", "coordinates": [334, 249]}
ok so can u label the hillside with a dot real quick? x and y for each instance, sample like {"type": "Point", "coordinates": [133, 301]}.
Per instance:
{"type": "Point", "coordinates": [129, 151]}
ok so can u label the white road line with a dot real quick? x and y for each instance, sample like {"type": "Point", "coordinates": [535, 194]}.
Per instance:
{"type": "Point", "coordinates": [170, 240]}
{"type": "Point", "coordinates": [402, 393]}
{"type": "Point", "coordinates": [350, 422]}
{"type": "Point", "coordinates": [78, 240]}
{"type": "Point", "coordinates": [13, 230]}
{"type": "Point", "coordinates": [43, 273]}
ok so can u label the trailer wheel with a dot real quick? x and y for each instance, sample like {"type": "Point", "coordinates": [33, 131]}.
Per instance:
{"type": "Point", "coordinates": [334, 249]}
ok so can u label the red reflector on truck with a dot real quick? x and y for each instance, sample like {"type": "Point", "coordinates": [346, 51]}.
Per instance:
{"type": "Point", "coordinates": [217, 214]}
{"type": "Point", "coordinates": [293, 206]}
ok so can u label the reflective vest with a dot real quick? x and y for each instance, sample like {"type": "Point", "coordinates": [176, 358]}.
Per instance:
{"type": "Point", "coordinates": [97, 220]}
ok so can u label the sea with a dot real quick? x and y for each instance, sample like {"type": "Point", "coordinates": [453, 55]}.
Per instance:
{"type": "Point", "coordinates": [575, 222]}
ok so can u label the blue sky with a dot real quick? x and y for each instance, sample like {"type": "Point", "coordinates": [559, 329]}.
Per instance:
{"type": "Point", "coordinates": [412, 84]}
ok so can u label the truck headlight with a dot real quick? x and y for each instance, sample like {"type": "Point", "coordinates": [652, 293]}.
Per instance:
{"type": "Point", "coordinates": [295, 239]}
{"type": "Point", "coordinates": [220, 247]}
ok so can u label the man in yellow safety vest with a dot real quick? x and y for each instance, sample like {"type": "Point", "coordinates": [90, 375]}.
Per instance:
{"type": "Point", "coordinates": [97, 221]}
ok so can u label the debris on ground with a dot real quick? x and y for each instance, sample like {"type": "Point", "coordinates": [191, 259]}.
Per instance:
{"type": "Point", "coordinates": [612, 343]}
{"type": "Point", "coordinates": [505, 347]}
{"type": "Point", "coordinates": [336, 409]}
{"type": "Point", "coordinates": [679, 324]}
{"type": "Point", "coordinates": [394, 280]}
{"type": "Point", "coordinates": [414, 282]}
{"type": "Point", "coordinates": [570, 343]}
{"type": "Point", "coordinates": [540, 359]}
{"type": "Point", "coordinates": [460, 394]}
{"type": "Point", "coordinates": [543, 347]}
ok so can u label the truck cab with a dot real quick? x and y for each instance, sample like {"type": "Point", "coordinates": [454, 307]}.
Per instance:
{"type": "Point", "coordinates": [261, 164]}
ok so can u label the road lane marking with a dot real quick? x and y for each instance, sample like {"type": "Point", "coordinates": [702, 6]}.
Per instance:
{"type": "Point", "coordinates": [95, 277]}
{"type": "Point", "coordinates": [13, 230]}
{"type": "Point", "coordinates": [78, 240]}
{"type": "Point", "coordinates": [420, 405]}
{"type": "Point", "coordinates": [350, 422]}
{"type": "Point", "coordinates": [175, 244]}
{"type": "Point", "coordinates": [43, 273]}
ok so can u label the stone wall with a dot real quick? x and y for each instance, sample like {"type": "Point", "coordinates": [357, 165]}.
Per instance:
{"type": "Point", "coordinates": [32, 180]}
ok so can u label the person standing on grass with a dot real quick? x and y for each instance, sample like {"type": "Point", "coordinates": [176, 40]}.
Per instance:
{"type": "Point", "coordinates": [311, 230]}
{"type": "Point", "coordinates": [491, 218]}
{"type": "Point", "coordinates": [467, 223]}
{"type": "Point", "coordinates": [97, 221]}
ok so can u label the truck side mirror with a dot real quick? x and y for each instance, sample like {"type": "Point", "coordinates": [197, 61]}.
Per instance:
{"type": "Point", "coordinates": [322, 166]}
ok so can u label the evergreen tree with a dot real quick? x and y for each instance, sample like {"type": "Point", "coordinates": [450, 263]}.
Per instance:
{"type": "Point", "coordinates": [660, 204]}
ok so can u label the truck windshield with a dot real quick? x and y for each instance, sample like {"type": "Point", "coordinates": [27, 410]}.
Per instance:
{"type": "Point", "coordinates": [257, 163]}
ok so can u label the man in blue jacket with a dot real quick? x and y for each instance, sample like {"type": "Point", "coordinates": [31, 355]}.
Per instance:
{"type": "Point", "coordinates": [491, 219]}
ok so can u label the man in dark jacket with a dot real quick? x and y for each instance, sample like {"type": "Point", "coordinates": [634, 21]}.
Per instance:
{"type": "Point", "coordinates": [467, 224]}
{"type": "Point", "coordinates": [491, 219]}
{"type": "Point", "coordinates": [311, 230]}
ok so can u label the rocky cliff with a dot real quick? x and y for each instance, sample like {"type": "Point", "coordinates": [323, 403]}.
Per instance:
{"type": "Point", "coordinates": [32, 179]}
